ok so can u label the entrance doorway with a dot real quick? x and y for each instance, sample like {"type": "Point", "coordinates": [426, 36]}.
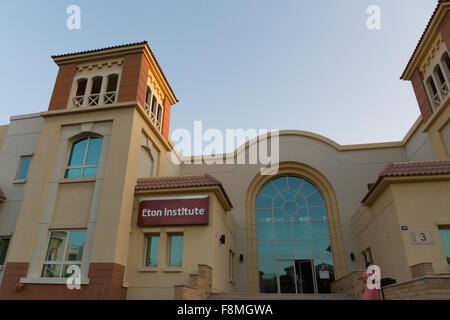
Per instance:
{"type": "Point", "coordinates": [296, 276]}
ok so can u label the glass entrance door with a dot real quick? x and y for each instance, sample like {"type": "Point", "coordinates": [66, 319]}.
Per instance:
{"type": "Point", "coordinates": [296, 276]}
{"type": "Point", "coordinates": [305, 276]}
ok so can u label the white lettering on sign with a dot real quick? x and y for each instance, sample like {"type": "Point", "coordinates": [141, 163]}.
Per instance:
{"type": "Point", "coordinates": [174, 212]}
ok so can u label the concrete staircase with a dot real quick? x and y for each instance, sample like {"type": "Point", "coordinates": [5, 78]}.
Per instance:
{"type": "Point", "coordinates": [275, 296]}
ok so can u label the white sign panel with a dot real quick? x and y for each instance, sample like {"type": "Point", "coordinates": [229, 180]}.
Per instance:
{"type": "Point", "coordinates": [421, 237]}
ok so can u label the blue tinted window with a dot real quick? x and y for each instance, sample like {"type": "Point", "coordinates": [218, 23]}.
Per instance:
{"type": "Point", "coordinates": [84, 158]}
{"type": "Point", "coordinates": [23, 168]}
{"type": "Point", "coordinates": [291, 224]}
{"type": "Point", "coordinates": [90, 172]}
{"type": "Point", "coordinates": [265, 231]}
{"type": "Point", "coordinates": [176, 251]}
{"type": "Point", "coordinates": [94, 150]}
{"type": "Point", "coordinates": [266, 249]}
{"type": "Point", "coordinates": [151, 259]}
{"type": "Point", "coordinates": [445, 238]}
{"type": "Point", "coordinates": [78, 152]}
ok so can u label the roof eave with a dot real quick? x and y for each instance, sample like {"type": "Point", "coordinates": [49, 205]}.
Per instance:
{"type": "Point", "coordinates": [117, 51]}
{"type": "Point", "coordinates": [383, 182]}
{"type": "Point", "coordinates": [217, 189]}
{"type": "Point", "coordinates": [425, 40]}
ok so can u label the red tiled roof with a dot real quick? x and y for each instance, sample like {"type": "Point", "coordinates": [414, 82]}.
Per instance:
{"type": "Point", "coordinates": [175, 182]}
{"type": "Point", "coordinates": [416, 168]}
{"type": "Point", "coordinates": [439, 2]}
{"type": "Point", "coordinates": [145, 42]}
{"type": "Point", "coordinates": [403, 169]}
{"type": "Point", "coordinates": [2, 196]}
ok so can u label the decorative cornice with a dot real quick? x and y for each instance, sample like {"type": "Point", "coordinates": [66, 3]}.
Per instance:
{"type": "Point", "coordinates": [426, 39]}
{"type": "Point", "coordinates": [432, 54]}
{"type": "Point", "coordinates": [99, 64]}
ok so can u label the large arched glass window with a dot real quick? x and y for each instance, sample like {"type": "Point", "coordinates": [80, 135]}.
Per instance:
{"type": "Point", "coordinates": [84, 158]}
{"type": "Point", "coordinates": [294, 250]}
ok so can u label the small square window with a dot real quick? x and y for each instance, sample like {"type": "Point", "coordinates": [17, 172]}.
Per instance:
{"type": "Point", "coordinates": [152, 252]}
{"type": "Point", "coordinates": [176, 250]}
{"type": "Point", "coordinates": [24, 166]}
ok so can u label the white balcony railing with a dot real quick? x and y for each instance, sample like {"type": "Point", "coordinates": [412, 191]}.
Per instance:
{"type": "Point", "coordinates": [94, 99]}
{"type": "Point", "coordinates": [436, 100]}
{"type": "Point", "coordinates": [444, 90]}
{"type": "Point", "coordinates": [109, 97]}
{"type": "Point", "coordinates": [77, 101]}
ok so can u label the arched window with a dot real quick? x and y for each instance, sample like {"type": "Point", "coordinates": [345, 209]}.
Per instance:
{"type": "Point", "coordinates": [148, 101]}
{"type": "Point", "coordinates": [111, 89]}
{"type": "Point", "coordinates": [84, 158]}
{"type": "Point", "coordinates": [432, 88]}
{"type": "Point", "coordinates": [445, 60]}
{"type": "Point", "coordinates": [294, 250]}
{"type": "Point", "coordinates": [80, 90]}
{"type": "Point", "coordinates": [94, 96]}
{"type": "Point", "coordinates": [153, 109]}
{"type": "Point", "coordinates": [441, 82]}
{"type": "Point", "coordinates": [146, 163]}
{"type": "Point", "coordinates": [154, 104]}
{"type": "Point", "coordinates": [159, 117]}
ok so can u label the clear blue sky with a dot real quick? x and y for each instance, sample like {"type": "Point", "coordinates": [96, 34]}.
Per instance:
{"type": "Point", "coordinates": [286, 64]}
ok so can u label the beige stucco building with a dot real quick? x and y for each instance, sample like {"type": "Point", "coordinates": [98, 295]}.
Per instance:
{"type": "Point", "coordinates": [89, 189]}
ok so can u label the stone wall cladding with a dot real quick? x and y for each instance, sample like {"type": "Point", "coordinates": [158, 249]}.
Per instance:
{"type": "Point", "coordinates": [199, 285]}
{"type": "Point", "coordinates": [352, 283]}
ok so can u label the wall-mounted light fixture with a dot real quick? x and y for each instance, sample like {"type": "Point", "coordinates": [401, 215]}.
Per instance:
{"type": "Point", "coordinates": [222, 239]}
{"type": "Point", "coordinates": [241, 257]}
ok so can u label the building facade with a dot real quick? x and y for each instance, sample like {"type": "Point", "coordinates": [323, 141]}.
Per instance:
{"type": "Point", "coordinates": [89, 190]}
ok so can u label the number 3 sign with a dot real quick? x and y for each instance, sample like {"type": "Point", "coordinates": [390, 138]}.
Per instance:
{"type": "Point", "coordinates": [421, 237]}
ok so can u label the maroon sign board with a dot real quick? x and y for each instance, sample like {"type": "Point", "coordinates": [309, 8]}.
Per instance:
{"type": "Point", "coordinates": [174, 211]}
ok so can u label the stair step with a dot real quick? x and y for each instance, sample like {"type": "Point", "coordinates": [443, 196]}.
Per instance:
{"type": "Point", "coordinates": [276, 296]}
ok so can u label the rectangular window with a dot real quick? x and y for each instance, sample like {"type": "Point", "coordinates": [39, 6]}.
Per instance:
{"type": "Point", "coordinates": [231, 265]}
{"type": "Point", "coordinates": [24, 165]}
{"type": "Point", "coordinates": [65, 248]}
{"type": "Point", "coordinates": [367, 255]}
{"type": "Point", "coordinates": [4, 244]}
{"type": "Point", "coordinates": [175, 250]}
{"type": "Point", "coordinates": [444, 233]}
{"type": "Point", "coordinates": [84, 158]}
{"type": "Point", "coordinates": [151, 258]}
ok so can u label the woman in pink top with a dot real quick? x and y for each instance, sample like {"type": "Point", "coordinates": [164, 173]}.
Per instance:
{"type": "Point", "coordinates": [369, 294]}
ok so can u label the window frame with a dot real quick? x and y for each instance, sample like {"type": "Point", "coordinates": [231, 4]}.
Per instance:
{"type": "Point", "coordinates": [169, 247]}
{"type": "Point", "coordinates": [440, 228]}
{"type": "Point", "coordinates": [62, 262]}
{"type": "Point", "coordinates": [6, 253]}
{"type": "Point", "coordinates": [436, 100]}
{"type": "Point", "coordinates": [152, 107]}
{"type": "Point", "coordinates": [30, 156]}
{"type": "Point", "coordinates": [104, 97]}
{"type": "Point", "coordinates": [231, 270]}
{"type": "Point", "coordinates": [83, 166]}
{"type": "Point", "coordinates": [367, 255]}
{"type": "Point", "coordinates": [147, 237]}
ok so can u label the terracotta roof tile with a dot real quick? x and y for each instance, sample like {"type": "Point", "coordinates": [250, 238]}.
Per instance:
{"type": "Point", "coordinates": [98, 50]}
{"type": "Point", "coordinates": [145, 42]}
{"type": "Point", "coordinates": [2, 196]}
{"type": "Point", "coordinates": [439, 2]}
{"type": "Point", "coordinates": [416, 168]}
{"type": "Point", "coordinates": [175, 182]}
{"type": "Point", "coordinates": [403, 169]}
